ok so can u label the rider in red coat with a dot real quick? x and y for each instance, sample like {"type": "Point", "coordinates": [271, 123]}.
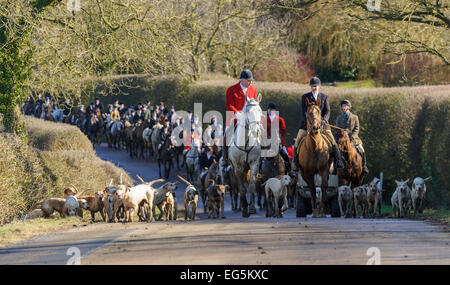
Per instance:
{"type": "Point", "coordinates": [235, 98]}
{"type": "Point", "coordinates": [271, 116]}
{"type": "Point", "coordinates": [234, 102]}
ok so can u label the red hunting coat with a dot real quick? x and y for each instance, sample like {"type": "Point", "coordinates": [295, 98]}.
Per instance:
{"type": "Point", "coordinates": [282, 128]}
{"type": "Point", "coordinates": [235, 99]}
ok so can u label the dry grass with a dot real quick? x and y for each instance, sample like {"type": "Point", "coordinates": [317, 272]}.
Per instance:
{"type": "Point", "coordinates": [20, 230]}
{"type": "Point", "coordinates": [49, 136]}
{"type": "Point", "coordinates": [57, 157]}
{"type": "Point", "coordinates": [22, 177]}
{"type": "Point", "coordinates": [85, 171]}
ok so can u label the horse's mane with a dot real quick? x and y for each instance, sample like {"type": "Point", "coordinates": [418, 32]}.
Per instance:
{"type": "Point", "coordinates": [344, 139]}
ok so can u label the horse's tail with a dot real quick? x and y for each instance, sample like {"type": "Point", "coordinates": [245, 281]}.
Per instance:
{"type": "Point", "coordinates": [381, 180]}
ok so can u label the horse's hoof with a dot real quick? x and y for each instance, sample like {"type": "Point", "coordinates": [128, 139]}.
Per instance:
{"type": "Point", "coordinates": [245, 214]}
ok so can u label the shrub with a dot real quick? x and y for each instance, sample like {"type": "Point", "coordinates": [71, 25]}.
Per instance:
{"type": "Point", "coordinates": [413, 69]}
{"type": "Point", "coordinates": [58, 156]}
{"type": "Point", "coordinates": [50, 136]}
{"type": "Point", "coordinates": [22, 177]}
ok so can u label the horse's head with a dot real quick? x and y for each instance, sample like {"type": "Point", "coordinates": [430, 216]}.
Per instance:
{"type": "Point", "coordinates": [251, 117]}
{"type": "Point", "coordinates": [343, 140]}
{"type": "Point", "coordinates": [94, 118]}
{"type": "Point", "coordinates": [313, 116]}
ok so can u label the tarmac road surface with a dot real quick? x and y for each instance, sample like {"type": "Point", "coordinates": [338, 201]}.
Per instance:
{"type": "Point", "coordinates": [235, 240]}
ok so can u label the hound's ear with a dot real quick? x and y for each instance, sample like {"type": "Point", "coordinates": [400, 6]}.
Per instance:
{"type": "Point", "coordinates": [426, 179]}
{"type": "Point", "coordinates": [407, 180]}
{"type": "Point", "coordinates": [397, 182]}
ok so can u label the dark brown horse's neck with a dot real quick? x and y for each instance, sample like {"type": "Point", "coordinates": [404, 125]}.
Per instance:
{"type": "Point", "coordinates": [349, 152]}
{"type": "Point", "coordinates": [314, 141]}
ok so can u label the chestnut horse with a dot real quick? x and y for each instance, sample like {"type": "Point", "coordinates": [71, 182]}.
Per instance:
{"type": "Point", "coordinates": [353, 171]}
{"type": "Point", "coordinates": [314, 154]}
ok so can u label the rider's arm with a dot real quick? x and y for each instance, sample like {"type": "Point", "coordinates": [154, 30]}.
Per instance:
{"type": "Point", "coordinates": [326, 110]}
{"type": "Point", "coordinates": [355, 130]}
{"type": "Point", "coordinates": [229, 101]}
{"type": "Point", "coordinates": [282, 130]}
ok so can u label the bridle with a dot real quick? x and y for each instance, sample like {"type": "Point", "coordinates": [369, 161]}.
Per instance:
{"type": "Point", "coordinates": [247, 126]}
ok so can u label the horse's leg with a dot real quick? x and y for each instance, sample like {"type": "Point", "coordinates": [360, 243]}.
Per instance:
{"type": "Point", "coordinates": [242, 192]}
{"type": "Point", "coordinates": [252, 186]}
{"type": "Point", "coordinates": [324, 187]}
{"type": "Point", "coordinates": [237, 207]}
{"type": "Point", "coordinates": [309, 179]}
{"type": "Point", "coordinates": [169, 167]}
{"type": "Point", "coordinates": [259, 200]}
{"type": "Point", "coordinates": [177, 159]}
{"type": "Point", "coordinates": [159, 168]}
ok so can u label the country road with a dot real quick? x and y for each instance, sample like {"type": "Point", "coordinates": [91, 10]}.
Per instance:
{"type": "Point", "coordinates": [235, 240]}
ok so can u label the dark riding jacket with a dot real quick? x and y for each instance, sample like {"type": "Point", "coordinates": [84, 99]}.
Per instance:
{"type": "Point", "coordinates": [206, 162]}
{"type": "Point", "coordinates": [324, 108]}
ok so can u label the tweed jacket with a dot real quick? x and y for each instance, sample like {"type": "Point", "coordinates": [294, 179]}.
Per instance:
{"type": "Point", "coordinates": [352, 127]}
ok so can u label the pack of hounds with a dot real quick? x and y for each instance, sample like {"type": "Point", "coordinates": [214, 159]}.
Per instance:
{"type": "Point", "coordinates": [120, 202]}
{"type": "Point", "coordinates": [365, 200]}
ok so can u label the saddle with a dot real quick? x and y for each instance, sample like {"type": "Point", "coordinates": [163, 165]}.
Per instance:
{"type": "Point", "coordinates": [329, 143]}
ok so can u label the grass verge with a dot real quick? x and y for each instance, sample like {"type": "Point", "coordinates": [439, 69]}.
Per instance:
{"type": "Point", "coordinates": [20, 230]}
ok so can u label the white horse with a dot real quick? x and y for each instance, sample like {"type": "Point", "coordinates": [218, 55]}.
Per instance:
{"type": "Point", "coordinates": [147, 138]}
{"type": "Point", "coordinates": [192, 158]}
{"type": "Point", "coordinates": [115, 133]}
{"type": "Point", "coordinates": [245, 151]}
{"type": "Point", "coordinates": [155, 138]}
{"type": "Point", "coordinates": [58, 115]}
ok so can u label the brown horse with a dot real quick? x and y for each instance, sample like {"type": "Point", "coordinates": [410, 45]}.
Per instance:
{"type": "Point", "coordinates": [314, 154]}
{"type": "Point", "coordinates": [166, 157]}
{"type": "Point", "coordinates": [95, 127]}
{"type": "Point", "coordinates": [353, 171]}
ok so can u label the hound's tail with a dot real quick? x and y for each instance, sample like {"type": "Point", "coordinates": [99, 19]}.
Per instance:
{"type": "Point", "coordinates": [155, 181]}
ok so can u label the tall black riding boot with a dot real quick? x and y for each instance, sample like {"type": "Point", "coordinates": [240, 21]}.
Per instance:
{"type": "Point", "coordinates": [225, 155]}
{"type": "Point", "coordinates": [286, 160]}
{"type": "Point", "coordinates": [337, 157]}
{"type": "Point", "coordinates": [365, 169]}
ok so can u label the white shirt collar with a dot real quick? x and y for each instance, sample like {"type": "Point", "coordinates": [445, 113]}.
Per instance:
{"type": "Point", "coordinates": [243, 88]}
{"type": "Point", "coordinates": [315, 95]}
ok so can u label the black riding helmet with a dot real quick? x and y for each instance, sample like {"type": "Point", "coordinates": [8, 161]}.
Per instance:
{"type": "Point", "coordinates": [346, 102]}
{"type": "Point", "coordinates": [314, 81]}
{"type": "Point", "coordinates": [272, 106]}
